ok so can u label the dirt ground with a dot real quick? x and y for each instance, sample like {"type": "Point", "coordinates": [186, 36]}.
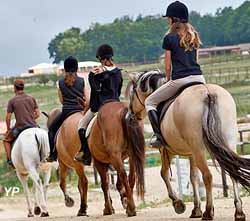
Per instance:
{"type": "Point", "coordinates": [156, 207]}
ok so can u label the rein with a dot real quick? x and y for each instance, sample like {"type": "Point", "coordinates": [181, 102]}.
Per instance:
{"type": "Point", "coordinates": [134, 92]}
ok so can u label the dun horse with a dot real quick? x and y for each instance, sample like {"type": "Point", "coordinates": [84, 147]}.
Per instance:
{"type": "Point", "coordinates": [28, 154]}
{"type": "Point", "coordinates": [202, 118]}
{"type": "Point", "coordinates": [114, 136]}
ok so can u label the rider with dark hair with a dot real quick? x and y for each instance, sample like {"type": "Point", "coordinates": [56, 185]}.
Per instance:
{"type": "Point", "coordinates": [106, 83]}
{"type": "Point", "coordinates": [26, 112]}
{"type": "Point", "coordinates": [71, 90]}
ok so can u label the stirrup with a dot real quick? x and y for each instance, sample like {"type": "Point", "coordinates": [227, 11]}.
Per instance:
{"type": "Point", "coordinates": [156, 142]}
{"type": "Point", "coordinates": [51, 159]}
{"type": "Point", "coordinates": [79, 156]}
{"type": "Point", "coordinates": [10, 164]}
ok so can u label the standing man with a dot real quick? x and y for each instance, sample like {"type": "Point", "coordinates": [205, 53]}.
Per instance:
{"type": "Point", "coordinates": [26, 112]}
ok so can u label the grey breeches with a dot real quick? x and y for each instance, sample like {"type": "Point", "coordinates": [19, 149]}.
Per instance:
{"type": "Point", "coordinates": [86, 119]}
{"type": "Point", "coordinates": [168, 90]}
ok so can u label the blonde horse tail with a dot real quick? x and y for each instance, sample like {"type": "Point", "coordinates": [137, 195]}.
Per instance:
{"type": "Point", "coordinates": [136, 148]}
{"type": "Point", "coordinates": [237, 167]}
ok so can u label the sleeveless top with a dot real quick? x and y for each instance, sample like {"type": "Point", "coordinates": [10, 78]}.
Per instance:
{"type": "Point", "coordinates": [70, 94]}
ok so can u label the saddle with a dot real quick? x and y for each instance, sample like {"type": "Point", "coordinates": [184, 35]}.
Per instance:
{"type": "Point", "coordinates": [163, 106]}
{"type": "Point", "coordinates": [17, 131]}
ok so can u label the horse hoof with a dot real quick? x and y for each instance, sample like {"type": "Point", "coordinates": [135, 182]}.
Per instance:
{"type": "Point", "coordinates": [124, 202]}
{"type": "Point", "coordinates": [107, 211]}
{"type": "Point", "coordinates": [69, 202]}
{"type": "Point", "coordinates": [207, 216]}
{"type": "Point", "coordinates": [131, 213]}
{"type": "Point", "coordinates": [81, 213]}
{"type": "Point", "coordinates": [240, 217]}
{"type": "Point", "coordinates": [37, 210]}
{"type": "Point", "coordinates": [30, 215]}
{"type": "Point", "coordinates": [44, 214]}
{"type": "Point", "coordinates": [179, 206]}
{"type": "Point", "coordinates": [196, 213]}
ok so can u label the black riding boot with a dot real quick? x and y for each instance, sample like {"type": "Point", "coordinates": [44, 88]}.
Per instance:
{"type": "Point", "coordinates": [84, 155]}
{"type": "Point", "coordinates": [53, 152]}
{"type": "Point", "coordinates": [157, 141]}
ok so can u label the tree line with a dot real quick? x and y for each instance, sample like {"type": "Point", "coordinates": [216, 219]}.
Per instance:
{"type": "Point", "coordinates": [140, 39]}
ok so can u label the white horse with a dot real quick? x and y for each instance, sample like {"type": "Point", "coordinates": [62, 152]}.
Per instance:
{"type": "Point", "coordinates": [28, 155]}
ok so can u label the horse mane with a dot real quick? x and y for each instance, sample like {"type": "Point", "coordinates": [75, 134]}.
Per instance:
{"type": "Point", "coordinates": [148, 81]}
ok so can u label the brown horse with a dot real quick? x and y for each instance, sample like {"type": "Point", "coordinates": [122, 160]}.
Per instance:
{"type": "Point", "coordinates": [67, 145]}
{"type": "Point", "coordinates": [115, 135]}
{"type": "Point", "coordinates": [202, 118]}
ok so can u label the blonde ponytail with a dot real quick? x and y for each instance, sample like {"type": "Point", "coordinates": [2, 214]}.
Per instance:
{"type": "Point", "coordinates": [189, 37]}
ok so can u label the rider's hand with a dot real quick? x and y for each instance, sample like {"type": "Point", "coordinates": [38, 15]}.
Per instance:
{"type": "Point", "coordinates": [98, 70]}
{"type": "Point", "coordinates": [82, 101]}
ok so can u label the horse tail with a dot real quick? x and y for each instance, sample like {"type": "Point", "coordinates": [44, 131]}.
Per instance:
{"type": "Point", "coordinates": [237, 167]}
{"type": "Point", "coordinates": [42, 144]}
{"type": "Point", "coordinates": [136, 147]}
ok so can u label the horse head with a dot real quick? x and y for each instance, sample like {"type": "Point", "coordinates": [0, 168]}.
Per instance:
{"type": "Point", "coordinates": [51, 115]}
{"type": "Point", "coordinates": [140, 86]}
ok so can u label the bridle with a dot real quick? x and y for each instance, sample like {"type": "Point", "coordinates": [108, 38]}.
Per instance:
{"type": "Point", "coordinates": [134, 92]}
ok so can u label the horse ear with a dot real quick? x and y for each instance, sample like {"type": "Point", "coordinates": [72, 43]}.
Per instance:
{"type": "Point", "coordinates": [133, 76]}
{"type": "Point", "coordinates": [45, 114]}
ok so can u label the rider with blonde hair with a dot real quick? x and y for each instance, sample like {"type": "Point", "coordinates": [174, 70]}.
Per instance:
{"type": "Point", "coordinates": [181, 67]}
{"type": "Point", "coordinates": [106, 83]}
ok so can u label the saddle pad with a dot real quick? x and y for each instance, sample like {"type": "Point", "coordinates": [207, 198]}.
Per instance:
{"type": "Point", "coordinates": [163, 106]}
{"type": "Point", "coordinates": [91, 123]}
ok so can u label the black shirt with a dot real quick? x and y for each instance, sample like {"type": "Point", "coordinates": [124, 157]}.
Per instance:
{"type": "Point", "coordinates": [70, 94]}
{"type": "Point", "coordinates": [184, 63]}
{"type": "Point", "coordinates": [105, 86]}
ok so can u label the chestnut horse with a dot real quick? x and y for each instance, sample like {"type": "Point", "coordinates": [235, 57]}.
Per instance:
{"type": "Point", "coordinates": [114, 136]}
{"type": "Point", "coordinates": [202, 118]}
{"type": "Point", "coordinates": [67, 145]}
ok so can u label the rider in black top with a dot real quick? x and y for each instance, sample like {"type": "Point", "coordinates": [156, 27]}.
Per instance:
{"type": "Point", "coordinates": [106, 83]}
{"type": "Point", "coordinates": [70, 90]}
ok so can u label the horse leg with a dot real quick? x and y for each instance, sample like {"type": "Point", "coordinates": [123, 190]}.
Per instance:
{"type": "Point", "coordinates": [120, 187]}
{"type": "Point", "coordinates": [102, 168]}
{"type": "Point", "coordinates": [239, 214]}
{"type": "Point", "coordinates": [24, 181]}
{"type": "Point", "coordinates": [63, 172]}
{"type": "Point", "coordinates": [194, 177]}
{"type": "Point", "coordinates": [131, 175]}
{"type": "Point", "coordinates": [83, 189]}
{"type": "Point", "coordinates": [166, 158]}
{"type": "Point", "coordinates": [37, 209]}
{"type": "Point", "coordinates": [39, 190]}
{"type": "Point", "coordinates": [122, 193]}
{"type": "Point", "coordinates": [118, 165]}
{"type": "Point", "coordinates": [207, 179]}
{"type": "Point", "coordinates": [46, 179]}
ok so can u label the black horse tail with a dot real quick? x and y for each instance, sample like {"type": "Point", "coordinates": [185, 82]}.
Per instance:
{"type": "Point", "coordinates": [235, 166]}
{"type": "Point", "coordinates": [136, 148]}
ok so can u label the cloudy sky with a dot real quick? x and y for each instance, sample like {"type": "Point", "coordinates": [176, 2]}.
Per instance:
{"type": "Point", "coordinates": [27, 26]}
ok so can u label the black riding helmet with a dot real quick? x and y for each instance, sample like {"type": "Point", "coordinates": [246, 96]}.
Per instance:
{"type": "Point", "coordinates": [177, 10]}
{"type": "Point", "coordinates": [70, 64]}
{"type": "Point", "coordinates": [104, 51]}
